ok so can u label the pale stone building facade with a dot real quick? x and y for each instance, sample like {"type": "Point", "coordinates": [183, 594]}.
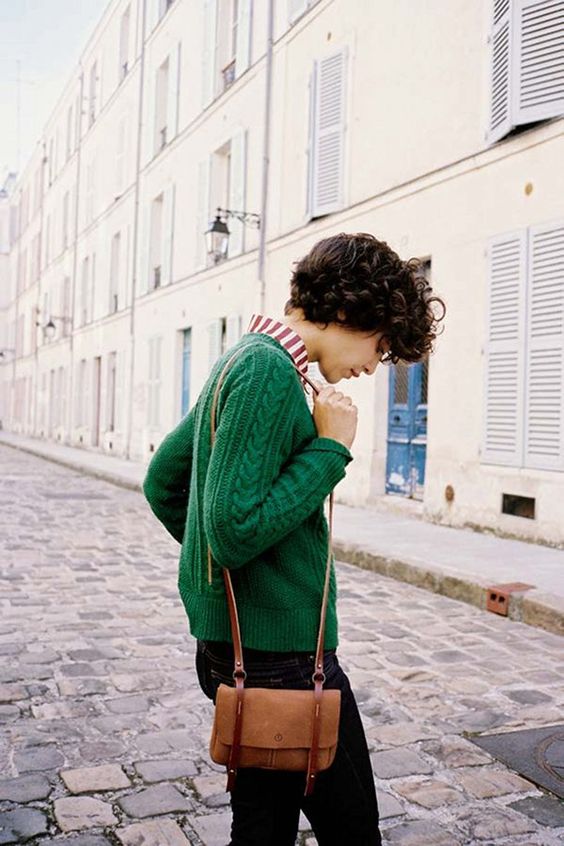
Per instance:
{"type": "Point", "coordinates": [438, 127]}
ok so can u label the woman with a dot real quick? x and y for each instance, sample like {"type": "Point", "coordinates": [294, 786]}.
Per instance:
{"type": "Point", "coordinates": [257, 499]}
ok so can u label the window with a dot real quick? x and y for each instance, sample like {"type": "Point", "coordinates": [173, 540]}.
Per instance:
{"type": "Point", "coordinates": [227, 186]}
{"type": "Point", "coordinates": [155, 266]}
{"type": "Point", "coordinates": [68, 149]}
{"type": "Point", "coordinates": [121, 161]}
{"type": "Point", "coordinates": [92, 94]}
{"type": "Point", "coordinates": [124, 44]}
{"type": "Point", "coordinates": [155, 11]}
{"type": "Point", "coordinates": [111, 393]}
{"type": "Point", "coordinates": [48, 240]}
{"type": "Point", "coordinates": [89, 192]}
{"type": "Point", "coordinates": [114, 273]}
{"type": "Point", "coordinates": [154, 383]}
{"type": "Point", "coordinates": [84, 291]}
{"type": "Point", "coordinates": [51, 169]}
{"type": "Point", "coordinates": [65, 233]}
{"type": "Point", "coordinates": [160, 139]}
{"type": "Point", "coordinates": [227, 45]}
{"type": "Point", "coordinates": [83, 394]}
{"type": "Point", "coordinates": [296, 8]}
{"type": "Point", "coordinates": [524, 373]}
{"type": "Point", "coordinates": [526, 63]}
{"type": "Point", "coordinates": [327, 131]}
{"type": "Point", "coordinates": [65, 306]}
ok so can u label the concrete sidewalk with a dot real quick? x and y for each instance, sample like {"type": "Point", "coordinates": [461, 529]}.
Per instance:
{"type": "Point", "coordinates": [459, 563]}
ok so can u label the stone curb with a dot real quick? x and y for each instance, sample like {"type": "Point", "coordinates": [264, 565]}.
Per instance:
{"type": "Point", "coordinates": [111, 476]}
{"type": "Point", "coordinates": [532, 607]}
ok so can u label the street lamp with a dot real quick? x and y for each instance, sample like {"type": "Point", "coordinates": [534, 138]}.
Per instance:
{"type": "Point", "coordinates": [217, 236]}
{"type": "Point", "coordinates": [50, 329]}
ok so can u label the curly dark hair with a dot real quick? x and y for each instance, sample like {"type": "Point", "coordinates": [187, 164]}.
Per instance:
{"type": "Point", "coordinates": [359, 282]}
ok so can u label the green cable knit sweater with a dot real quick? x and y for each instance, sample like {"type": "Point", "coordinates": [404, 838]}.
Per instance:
{"type": "Point", "coordinates": [257, 499]}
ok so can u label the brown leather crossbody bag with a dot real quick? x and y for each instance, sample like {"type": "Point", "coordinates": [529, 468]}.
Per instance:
{"type": "Point", "coordinates": [296, 730]}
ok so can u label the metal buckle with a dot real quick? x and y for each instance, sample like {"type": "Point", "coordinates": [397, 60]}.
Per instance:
{"type": "Point", "coordinates": [313, 678]}
{"type": "Point", "coordinates": [240, 674]}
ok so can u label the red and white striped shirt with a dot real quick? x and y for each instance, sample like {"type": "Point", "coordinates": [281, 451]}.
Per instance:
{"type": "Point", "coordinates": [285, 335]}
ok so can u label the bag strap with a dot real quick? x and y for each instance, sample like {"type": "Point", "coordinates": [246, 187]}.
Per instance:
{"type": "Point", "coordinates": [239, 673]}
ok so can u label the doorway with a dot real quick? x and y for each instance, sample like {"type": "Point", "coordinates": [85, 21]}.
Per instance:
{"type": "Point", "coordinates": [186, 358]}
{"type": "Point", "coordinates": [407, 429]}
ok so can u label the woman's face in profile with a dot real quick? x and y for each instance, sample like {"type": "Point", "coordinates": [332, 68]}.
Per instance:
{"type": "Point", "coordinates": [347, 353]}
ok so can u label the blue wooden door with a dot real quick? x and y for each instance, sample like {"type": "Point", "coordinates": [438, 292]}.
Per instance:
{"type": "Point", "coordinates": [407, 430]}
{"type": "Point", "coordinates": [186, 355]}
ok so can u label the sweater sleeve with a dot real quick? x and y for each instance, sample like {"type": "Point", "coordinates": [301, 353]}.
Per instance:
{"type": "Point", "coordinates": [254, 493]}
{"type": "Point", "coordinates": [167, 481]}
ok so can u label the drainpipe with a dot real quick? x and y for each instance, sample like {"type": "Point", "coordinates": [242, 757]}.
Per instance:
{"type": "Point", "coordinates": [265, 157]}
{"type": "Point", "coordinates": [38, 301]}
{"type": "Point", "coordinates": [73, 322]}
{"type": "Point", "coordinates": [135, 236]}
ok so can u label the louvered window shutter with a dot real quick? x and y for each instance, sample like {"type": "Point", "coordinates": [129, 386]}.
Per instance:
{"type": "Point", "coordinates": [203, 212]}
{"type": "Point", "coordinates": [243, 50]}
{"type": "Point", "coordinates": [209, 51]}
{"type": "Point", "coordinates": [151, 383]}
{"type": "Point", "coordinates": [214, 338]}
{"type": "Point", "coordinates": [173, 92]}
{"type": "Point", "coordinates": [500, 69]}
{"type": "Point", "coordinates": [328, 134]}
{"type": "Point", "coordinates": [168, 234]}
{"type": "Point", "coordinates": [538, 70]}
{"type": "Point", "coordinates": [237, 198]}
{"type": "Point", "coordinates": [504, 379]}
{"type": "Point", "coordinates": [143, 268]}
{"type": "Point", "coordinates": [544, 436]}
{"type": "Point", "coordinates": [120, 391]}
{"type": "Point", "coordinates": [149, 118]}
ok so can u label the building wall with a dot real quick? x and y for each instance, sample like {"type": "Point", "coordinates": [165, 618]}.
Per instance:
{"type": "Point", "coordinates": [419, 169]}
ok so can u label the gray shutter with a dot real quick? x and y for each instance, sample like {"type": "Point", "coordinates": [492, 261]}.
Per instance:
{"type": "Point", "coordinates": [168, 233]}
{"type": "Point", "coordinates": [173, 92]}
{"type": "Point", "coordinates": [544, 438]}
{"type": "Point", "coordinates": [538, 79]}
{"type": "Point", "coordinates": [243, 50]}
{"type": "Point", "coordinates": [501, 56]}
{"type": "Point", "coordinates": [203, 212]}
{"type": "Point", "coordinates": [504, 379]}
{"type": "Point", "coordinates": [209, 49]}
{"type": "Point", "coordinates": [214, 342]}
{"type": "Point", "coordinates": [237, 197]}
{"type": "Point", "coordinates": [329, 134]}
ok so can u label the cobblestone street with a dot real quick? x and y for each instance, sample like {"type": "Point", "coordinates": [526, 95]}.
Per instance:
{"type": "Point", "coordinates": [105, 729]}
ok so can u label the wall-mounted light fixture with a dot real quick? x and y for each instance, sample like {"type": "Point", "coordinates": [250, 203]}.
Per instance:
{"type": "Point", "coordinates": [217, 236]}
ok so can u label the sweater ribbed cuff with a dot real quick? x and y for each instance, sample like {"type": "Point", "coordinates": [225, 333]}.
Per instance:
{"type": "Point", "coordinates": [330, 445]}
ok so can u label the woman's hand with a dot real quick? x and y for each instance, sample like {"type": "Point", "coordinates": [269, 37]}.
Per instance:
{"type": "Point", "coordinates": [335, 415]}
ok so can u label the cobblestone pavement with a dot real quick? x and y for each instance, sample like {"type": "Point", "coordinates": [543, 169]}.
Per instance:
{"type": "Point", "coordinates": [105, 729]}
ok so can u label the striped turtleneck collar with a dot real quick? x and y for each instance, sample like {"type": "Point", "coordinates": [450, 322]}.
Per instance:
{"type": "Point", "coordinates": [285, 335]}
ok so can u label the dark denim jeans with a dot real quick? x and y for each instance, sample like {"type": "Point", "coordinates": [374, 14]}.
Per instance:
{"type": "Point", "coordinates": [266, 803]}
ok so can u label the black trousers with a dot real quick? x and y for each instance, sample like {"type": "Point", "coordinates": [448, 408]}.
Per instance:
{"type": "Point", "coordinates": [266, 803]}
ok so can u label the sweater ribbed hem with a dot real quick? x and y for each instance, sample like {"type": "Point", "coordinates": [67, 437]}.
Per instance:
{"type": "Point", "coordinates": [277, 630]}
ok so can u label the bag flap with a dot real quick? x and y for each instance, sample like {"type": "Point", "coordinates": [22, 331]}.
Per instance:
{"type": "Point", "coordinates": [277, 717]}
